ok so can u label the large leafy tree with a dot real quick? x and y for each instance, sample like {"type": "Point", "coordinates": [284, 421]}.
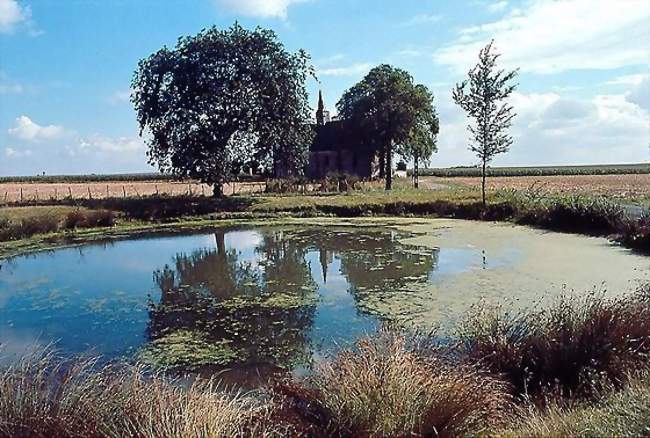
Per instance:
{"type": "Point", "coordinates": [221, 98]}
{"type": "Point", "coordinates": [388, 107]}
{"type": "Point", "coordinates": [483, 97]}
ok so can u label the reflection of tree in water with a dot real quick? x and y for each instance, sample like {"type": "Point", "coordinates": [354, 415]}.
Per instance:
{"type": "Point", "coordinates": [218, 310]}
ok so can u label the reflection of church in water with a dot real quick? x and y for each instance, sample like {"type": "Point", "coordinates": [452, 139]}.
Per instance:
{"type": "Point", "coordinates": [326, 258]}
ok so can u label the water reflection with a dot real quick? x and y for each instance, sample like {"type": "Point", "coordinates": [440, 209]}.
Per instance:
{"type": "Point", "coordinates": [271, 296]}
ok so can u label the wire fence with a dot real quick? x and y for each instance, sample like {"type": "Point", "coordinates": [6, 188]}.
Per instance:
{"type": "Point", "coordinates": [16, 193]}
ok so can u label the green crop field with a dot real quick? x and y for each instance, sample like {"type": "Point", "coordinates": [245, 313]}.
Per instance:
{"type": "Point", "coordinates": [605, 169]}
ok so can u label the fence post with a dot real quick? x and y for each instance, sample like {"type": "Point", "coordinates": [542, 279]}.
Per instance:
{"type": "Point", "coordinates": [124, 191]}
{"type": "Point", "coordinates": [157, 190]}
{"type": "Point", "coordinates": [21, 194]}
{"type": "Point", "coordinates": [107, 195]}
{"type": "Point", "coordinates": [90, 196]}
{"type": "Point", "coordinates": [70, 192]}
{"type": "Point", "coordinates": [56, 193]}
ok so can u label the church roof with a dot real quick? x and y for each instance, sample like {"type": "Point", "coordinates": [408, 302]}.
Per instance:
{"type": "Point", "coordinates": [337, 135]}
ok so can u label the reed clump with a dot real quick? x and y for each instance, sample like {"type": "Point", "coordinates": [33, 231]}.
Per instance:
{"type": "Point", "coordinates": [572, 348]}
{"type": "Point", "coordinates": [42, 396]}
{"type": "Point", "coordinates": [383, 388]}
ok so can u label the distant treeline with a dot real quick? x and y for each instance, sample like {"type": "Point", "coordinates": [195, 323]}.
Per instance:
{"type": "Point", "coordinates": [605, 169]}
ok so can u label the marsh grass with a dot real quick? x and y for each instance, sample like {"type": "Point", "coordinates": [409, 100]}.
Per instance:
{"type": "Point", "coordinates": [42, 396]}
{"type": "Point", "coordinates": [382, 388]}
{"type": "Point", "coordinates": [624, 413]}
{"type": "Point", "coordinates": [23, 222]}
{"type": "Point", "coordinates": [572, 348]}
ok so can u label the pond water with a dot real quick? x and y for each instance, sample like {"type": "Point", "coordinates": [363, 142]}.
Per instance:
{"type": "Point", "coordinates": [257, 299]}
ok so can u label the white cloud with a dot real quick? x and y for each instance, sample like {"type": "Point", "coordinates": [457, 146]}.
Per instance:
{"type": "Point", "coordinates": [350, 70]}
{"type": "Point", "coordinates": [25, 129]}
{"type": "Point", "coordinates": [422, 19]}
{"type": "Point", "coordinates": [497, 6]}
{"type": "Point", "coordinates": [12, 14]}
{"type": "Point", "coordinates": [15, 153]}
{"type": "Point", "coordinates": [111, 144]}
{"type": "Point", "coordinates": [552, 36]}
{"type": "Point", "coordinates": [635, 79]}
{"type": "Point", "coordinates": [553, 129]}
{"type": "Point", "coordinates": [640, 94]}
{"type": "Point", "coordinates": [258, 8]}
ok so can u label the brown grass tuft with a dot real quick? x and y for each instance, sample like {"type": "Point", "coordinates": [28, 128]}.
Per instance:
{"type": "Point", "coordinates": [383, 389]}
{"type": "Point", "coordinates": [41, 396]}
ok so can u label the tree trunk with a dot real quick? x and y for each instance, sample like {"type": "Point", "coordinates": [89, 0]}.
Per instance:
{"type": "Point", "coordinates": [416, 172]}
{"type": "Point", "coordinates": [217, 190]}
{"type": "Point", "coordinates": [483, 175]}
{"type": "Point", "coordinates": [389, 166]}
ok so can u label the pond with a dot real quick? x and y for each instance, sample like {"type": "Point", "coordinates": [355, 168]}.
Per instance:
{"type": "Point", "coordinates": [259, 299]}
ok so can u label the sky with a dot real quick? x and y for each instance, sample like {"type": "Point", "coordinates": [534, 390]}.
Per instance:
{"type": "Point", "coordinates": [583, 94]}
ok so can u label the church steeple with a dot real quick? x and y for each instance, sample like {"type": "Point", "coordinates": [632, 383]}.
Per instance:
{"type": "Point", "coordinates": [320, 112]}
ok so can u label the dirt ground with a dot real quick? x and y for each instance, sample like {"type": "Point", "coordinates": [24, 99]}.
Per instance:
{"type": "Point", "coordinates": [615, 186]}
{"type": "Point", "coordinates": [15, 192]}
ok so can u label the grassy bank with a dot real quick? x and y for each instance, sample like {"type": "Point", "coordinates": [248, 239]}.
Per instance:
{"type": "Point", "coordinates": [571, 213]}
{"type": "Point", "coordinates": [576, 370]}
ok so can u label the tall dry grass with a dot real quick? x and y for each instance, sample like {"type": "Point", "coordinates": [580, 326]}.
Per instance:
{"type": "Point", "coordinates": [382, 388]}
{"type": "Point", "coordinates": [41, 396]}
{"type": "Point", "coordinates": [624, 413]}
{"type": "Point", "coordinates": [571, 348]}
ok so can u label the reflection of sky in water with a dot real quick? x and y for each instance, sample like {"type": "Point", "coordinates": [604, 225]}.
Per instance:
{"type": "Point", "coordinates": [455, 261]}
{"type": "Point", "coordinates": [95, 297]}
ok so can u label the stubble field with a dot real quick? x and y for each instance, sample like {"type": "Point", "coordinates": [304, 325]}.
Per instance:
{"type": "Point", "coordinates": [625, 187]}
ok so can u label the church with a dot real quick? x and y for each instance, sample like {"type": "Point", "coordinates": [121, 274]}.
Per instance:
{"type": "Point", "coordinates": [338, 148]}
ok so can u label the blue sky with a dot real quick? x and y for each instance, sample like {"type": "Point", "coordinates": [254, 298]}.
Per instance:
{"type": "Point", "coordinates": [584, 94]}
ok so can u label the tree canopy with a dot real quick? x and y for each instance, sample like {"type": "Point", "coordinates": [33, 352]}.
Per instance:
{"type": "Point", "coordinates": [222, 98]}
{"type": "Point", "coordinates": [393, 113]}
{"type": "Point", "coordinates": [482, 96]}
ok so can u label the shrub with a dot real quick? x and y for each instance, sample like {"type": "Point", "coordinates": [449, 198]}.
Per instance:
{"type": "Point", "coordinates": [635, 234]}
{"type": "Point", "coordinates": [576, 345]}
{"type": "Point", "coordinates": [385, 389]}
{"type": "Point", "coordinates": [89, 218]}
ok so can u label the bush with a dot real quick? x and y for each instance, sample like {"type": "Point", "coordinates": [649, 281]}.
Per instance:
{"type": "Point", "coordinates": [635, 234]}
{"type": "Point", "coordinates": [571, 348]}
{"type": "Point", "coordinates": [89, 218]}
{"type": "Point", "coordinates": [385, 389]}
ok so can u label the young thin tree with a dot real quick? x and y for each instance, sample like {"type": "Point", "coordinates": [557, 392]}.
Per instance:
{"type": "Point", "coordinates": [482, 96]}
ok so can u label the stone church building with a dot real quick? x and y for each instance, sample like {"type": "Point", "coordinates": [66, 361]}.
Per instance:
{"type": "Point", "coordinates": [338, 148]}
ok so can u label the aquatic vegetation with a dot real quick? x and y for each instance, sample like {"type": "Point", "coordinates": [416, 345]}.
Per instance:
{"type": "Point", "coordinates": [389, 384]}
{"type": "Point", "coordinates": [188, 350]}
